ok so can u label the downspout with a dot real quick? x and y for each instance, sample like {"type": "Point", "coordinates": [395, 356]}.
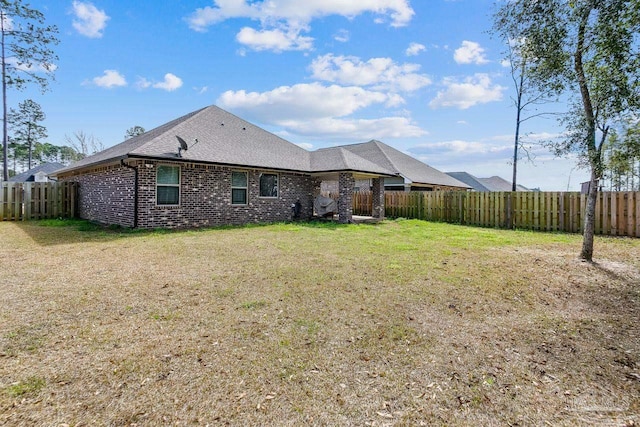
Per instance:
{"type": "Point", "coordinates": [135, 191]}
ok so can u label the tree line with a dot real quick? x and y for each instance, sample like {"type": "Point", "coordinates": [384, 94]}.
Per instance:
{"type": "Point", "coordinates": [27, 145]}
{"type": "Point", "coordinates": [27, 57]}
{"type": "Point", "coordinates": [622, 159]}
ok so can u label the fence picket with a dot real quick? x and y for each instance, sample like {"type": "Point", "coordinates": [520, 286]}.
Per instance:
{"type": "Point", "coordinates": [37, 200]}
{"type": "Point", "coordinates": [617, 213]}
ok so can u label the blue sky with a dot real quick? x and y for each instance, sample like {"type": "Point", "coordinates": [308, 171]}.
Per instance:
{"type": "Point", "coordinates": [425, 77]}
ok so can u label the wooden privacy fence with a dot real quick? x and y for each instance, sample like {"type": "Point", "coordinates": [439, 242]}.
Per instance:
{"type": "Point", "coordinates": [617, 213]}
{"type": "Point", "coordinates": [21, 201]}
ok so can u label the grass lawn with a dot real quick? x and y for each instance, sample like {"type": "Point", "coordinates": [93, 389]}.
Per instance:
{"type": "Point", "coordinates": [400, 323]}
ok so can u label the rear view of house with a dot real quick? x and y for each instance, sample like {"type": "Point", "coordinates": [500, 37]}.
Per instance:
{"type": "Point", "coordinates": [210, 167]}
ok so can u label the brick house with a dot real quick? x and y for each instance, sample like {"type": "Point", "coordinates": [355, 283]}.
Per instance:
{"type": "Point", "coordinates": [227, 172]}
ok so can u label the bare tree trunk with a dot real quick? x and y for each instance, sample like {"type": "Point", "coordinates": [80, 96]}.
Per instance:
{"type": "Point", "coordinates": [5, 145]}
{"type": "Point", "coordinates": [30, 147]}
{"type": "Point", "coordinates": [590, 219]}
{"type": "Point", "coordinates": [516, 144]}
{"type": "Point", "coordinates": [594, 153]}
{"type": "Point", "coordinates": [519, 108]}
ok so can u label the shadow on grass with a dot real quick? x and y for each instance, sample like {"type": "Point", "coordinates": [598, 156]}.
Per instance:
{"type": "Point", "coordinates": [51, 232]}
{"type": "Point", "coordinates": [613, 274]}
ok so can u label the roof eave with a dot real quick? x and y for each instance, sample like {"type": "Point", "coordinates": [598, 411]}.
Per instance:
{"type": "Point", "coordinates": [117, 160]}
{"type": "Point", "coordinates": [354, 171]}
{"type": "Point", "coordinates": [71, 170]}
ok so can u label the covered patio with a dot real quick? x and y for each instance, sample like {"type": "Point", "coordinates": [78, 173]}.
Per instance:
{"type": "Point", "coordinates": [346, 184]}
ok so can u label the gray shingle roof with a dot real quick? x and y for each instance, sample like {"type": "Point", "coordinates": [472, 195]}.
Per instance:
{"type": "Point", "coordinates": [223, 138]}
{"type": "Point", "coordinates": [494, 183]}
{"type": "Point", "coordinates": [47, 168]}
{"type": "Point", "coordinates": [470, 180]}
{"type": "Point", "coordinates": [410, 168]}
{"type": "Point", "coordinates": [339, 158]}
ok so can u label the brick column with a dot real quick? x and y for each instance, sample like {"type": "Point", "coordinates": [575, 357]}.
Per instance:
{"type": "Point", "coordinates": [377, 196]}
{"type": "Point", "coordinates": [314, 185]}
{"type": "Point", "coordinates": [346, 183]}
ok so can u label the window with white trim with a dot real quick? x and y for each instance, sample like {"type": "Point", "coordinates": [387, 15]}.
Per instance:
{"type": "Point", "coordinates": [168, 185]}
{"type": "Point", "coordinates": [268, 185]}
{"type": "Point", "coordinates": [239, 185]}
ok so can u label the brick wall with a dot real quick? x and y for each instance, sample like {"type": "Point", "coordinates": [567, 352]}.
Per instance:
{"type": "Point", "coordinates": [106, 195]}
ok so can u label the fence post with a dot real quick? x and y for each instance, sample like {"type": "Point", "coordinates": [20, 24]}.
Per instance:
{"type": "Point", "coordinates": [28, 206]}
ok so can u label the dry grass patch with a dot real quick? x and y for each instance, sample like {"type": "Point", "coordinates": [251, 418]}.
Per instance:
{"type": "Point", "coordinates": [401, 323]}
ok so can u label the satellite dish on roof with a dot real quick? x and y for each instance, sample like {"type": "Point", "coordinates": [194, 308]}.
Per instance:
{"type": "Point", "coordinates": [182, 147]}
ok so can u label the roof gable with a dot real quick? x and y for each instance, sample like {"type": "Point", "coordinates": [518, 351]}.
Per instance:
{"type": "Point", "coordinates": [339, 158]}
{"type": "Point", "coordinates": [410, 168]}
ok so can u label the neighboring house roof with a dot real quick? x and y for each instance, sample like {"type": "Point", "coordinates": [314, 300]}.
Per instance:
{"type": "Point", "coordinates": [499, 184]}
{"type": "Point", "coordinates": [45, 168]}
{"type": "Point", "coordinates": [494, 183]}
{"type": "Point", "coordinates": [470, 180]}
{"type": "Point", "coordinates": [408, 167]}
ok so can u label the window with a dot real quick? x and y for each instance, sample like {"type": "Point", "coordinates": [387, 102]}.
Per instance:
{"type": "Point", "coordinates": [239, 188]}
{"type": "Point", "coordinates": [168, 185]}
{"type": "Point", "coordinates": [268, 185]}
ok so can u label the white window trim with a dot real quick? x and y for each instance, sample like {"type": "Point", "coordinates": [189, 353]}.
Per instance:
{"type": "Point", "coordinates": [246, 189]}
{"type": "Point", "coordinates": [179, 185]}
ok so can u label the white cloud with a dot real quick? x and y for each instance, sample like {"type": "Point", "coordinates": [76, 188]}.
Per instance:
{"type": "Point", "coordinates": [399, 11]}
{"type": "Point", "coordinates": [7, 23]}
{"type": "Point", "coordinates": [470, 53]}
{"type": "Point", "coordinates": [288, 17]}
{"type": "Point", "coordinates": [319, 111]}
{"type": "Point", "coordinates": [493, 156]}
{"type": "Point", "coordinates": [457, 146]}
{"type": "Point", "coordinates": [477, 89]}
{"type": "Point", "coordinates": [414, 49]}
{"type": "Point", "coordinates": [305, 145]}
{"type": "Point", "coordinates": [170, 83]}
{"type": "Point", "coordinates": [380, 73]}
{"type": "Point", "coordinates": [301, 101]}
{"type": "Point", "coordinates": [276, 39]}
{"type": "Point", "coordinates": [342, 36]}
{"type": "Point", "coordinates": [89, 20]}
{"type": "Point", "coordinates": [143, 83]}
{"type": "Point", "coordinates": [356, 129]}
{"type": "Point", "coordinates": [39, 67]}
{"type": "Point", "coordinates": [110, 79]}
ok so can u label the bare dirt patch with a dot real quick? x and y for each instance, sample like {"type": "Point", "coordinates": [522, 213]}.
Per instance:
{"type": "Point", "coordinates": [401, 323]}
